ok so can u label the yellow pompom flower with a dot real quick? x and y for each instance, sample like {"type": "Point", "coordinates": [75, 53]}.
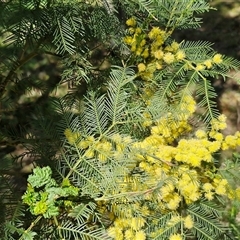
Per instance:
{"type": "Point", "coordinates": [127, 140]}
{"type": "Point", "coordinates": [142, 43]}
{"type": "Point", "coordinates": [69, 135]}
{"type": "Point", "coordinates": [200, 67]}
{"type": "Point", "coordinates": [151, 67]}
{"type": "Point", "coordinates": [168, 48]}
{"type": "Point", "coordinates": [138, 51]}
{"type": "Point", "coordinates": [209, 196]}
{"type": "Point", "coordinates": [207, 187]}
{"type": "Point", "coordinates": [166, 190]}
{"type": "Point", "coordinates": [222, 118]}
{"type": "Point", "coordinates": [120, 222]}
{"type": "Point", "coordinates": [200, 134]}
{"type": "Point", "coordinates": [159, 41]}
{"type": "Point", "coordinates": [159, 65]}
{"type": "Point", "coordinates": [68, 132]}
{"type": "Point", "coordinates": [137, 223]}
{"type": "Point", "coordinates": [158, 54]}
{"type": "Point", "coordinates": [83, 144]}
{"type": "Point", "coordinates": [219, 123]}
{"type": "Point", "coordinates": [217, 58]}
{"type": "Point", "coordinates": [138, 30]}
{"type": "Point", "coordinates": [147, 76]}
{"type": "Point", "coordinates": [89, 153]}
{"type": "Point", "coordinates": [115, 233]}
{"type": "Point", "coordinates": [145, 211]}
{"type": "Point", "coordinates": [117, 138]}
{"type": "Point", "coordinates": [131, 22]}
{"type": "Point", "coordinates": [175, 46]}
{"type": "Point", "coordinates": [154, 48]}
{"type": "Point", "coordinates": [141, 67]}
{"type": "Point", "coordinates": [72, 137]}
{"type": "Point", "coordinates": [216, 135]}
{"type": "Point", "coordinates": [231, 141]}
{"type": "Point", "coordinates": [180, 55]}
{"type": "Point", "coordinates": [188, 222]}
{"type": "Point", "coordinates": [90, 139]}
{"type": "Point", "coordinates": [106, 147]}
{"type": "Point", "coordinates": [128, 40]}
{"type": "Point", "coordinates": [173, 204]}
{"type": "Point", "coordinates": [140, 235]}
{"type": "Point", "coordinates": [214, 146]}
{"type": "Point", "coordinates": [129, 234]}
{"type": "Point", "coordinates": [133, 47]}
{"type": "Point", "coordinates": [175, 237]}
{"type": "Point", "coordinates": [145, 53]}
{"type": "Point", "coordinates": [193, 197]}
{"type": "Point", "coordinates": [220, 190]}
{"type": "Point", "coordinates": [220, 185]}
{"type": "Point", "coordinates": [102, 157]}
{"type": "Point", "coordinates": [168, 58]}
{"type": "Point", "coordinates": [208, 63]}
{"type": "Point", "coordinates": [155, 31]}
{"type": "Point", "coordinates": [194, 160]}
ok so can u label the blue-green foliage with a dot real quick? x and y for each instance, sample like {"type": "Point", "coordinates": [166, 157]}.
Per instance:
{"type": "Point", "coordinates": [41, 177]}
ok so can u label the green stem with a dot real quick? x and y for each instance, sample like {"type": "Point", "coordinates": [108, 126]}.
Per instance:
{"type": "Point", "coordinates": [58, 227]}
{"type": "Point", "coordinates": [31, 226]}
{"type": "Point", "coordinates": [205, 86]}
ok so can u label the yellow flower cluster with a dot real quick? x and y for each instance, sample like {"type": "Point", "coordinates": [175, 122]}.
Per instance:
{"type": "Point", "coordinates": [209, 63]}
{"type": "Point", "coordinates": [194, 151]}
{"type": "Point", "coordinates": [176, 237]}
{"type": "Point", "coordinates": [179, 170]}
{"type": "Point", "coordinates": [152, 52]}
{"type": "Point", "coordinates": [188, 222]}
{"type": "Point", "coordinates": [72, 137]}
{"type": "Point", "coordinates": [151, 49]}
{"type": "Point", "coordinates": [231, 141]}
{"type": "Point", "coordinates": [189, 179]}
{"type": "Point", "coordinates": [100, 149]}
{"type": "Point", "coordinates": [169, 128]}
{"type": "Point", "coordinates": [175, 127]}
{"type": "Point", "coordinates": [128, 229]}
{"type": "Point", "coordinates": [186, 162]}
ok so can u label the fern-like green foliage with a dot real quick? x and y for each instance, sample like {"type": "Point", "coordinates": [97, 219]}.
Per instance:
{"type": "Point", "coordinates": [107, 154]}
{"type": "Point", "coordinates": [102, 117]}
{"type": "Point", "coordinates": [206, 227]}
